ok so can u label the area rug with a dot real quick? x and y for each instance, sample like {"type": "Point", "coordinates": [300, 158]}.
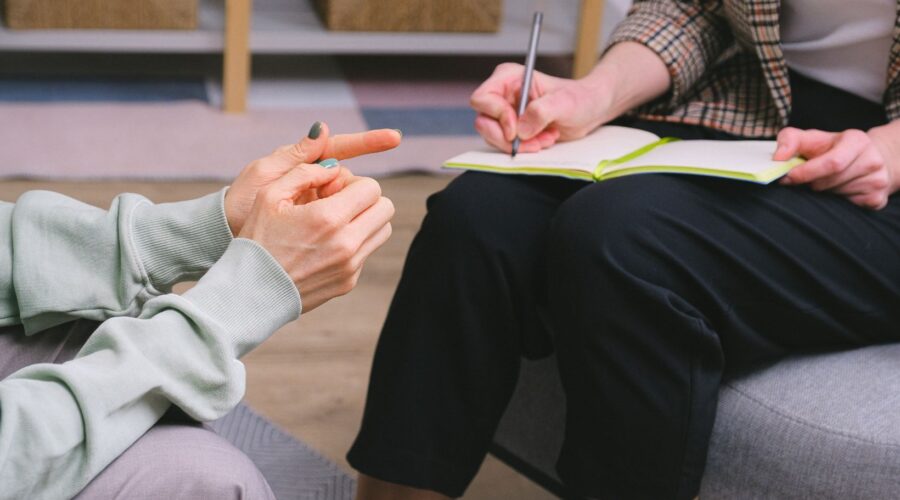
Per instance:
{"type": "Point", "coordinates": [160, 119]}
{"type": "Point", "coordinates": [293, 470]}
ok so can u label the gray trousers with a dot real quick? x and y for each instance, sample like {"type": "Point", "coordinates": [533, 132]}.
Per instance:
{"type": "Point", "coordinates": [176, 459]}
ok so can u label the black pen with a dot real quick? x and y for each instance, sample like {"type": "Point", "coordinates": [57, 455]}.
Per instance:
{"type": "Point", "coordinates": [529, 70]}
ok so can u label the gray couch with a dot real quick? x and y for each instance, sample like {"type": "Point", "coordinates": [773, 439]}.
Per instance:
{"type": "Point", "coordinates": [819, 427]}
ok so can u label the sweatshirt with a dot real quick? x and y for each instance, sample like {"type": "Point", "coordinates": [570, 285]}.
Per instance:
{"type": "Point", "coordinates": [60, 259]}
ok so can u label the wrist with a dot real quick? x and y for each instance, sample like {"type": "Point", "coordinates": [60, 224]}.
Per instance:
{"type": "Point", "coordinates": [629, 75]}
{"type": "Point", "coordinates": [599, 87]}
{"type": "Point", "coordinates": [180, 241]}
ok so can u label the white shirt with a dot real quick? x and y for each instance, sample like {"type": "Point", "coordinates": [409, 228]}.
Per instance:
{"type": "Point", "coordinates": [844, 43]}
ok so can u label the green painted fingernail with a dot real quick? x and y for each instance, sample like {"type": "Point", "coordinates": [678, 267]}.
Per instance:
{"type": "Point", "coordinates": [315, 130]}
{"type": "Point", "coordinates": [399, 132]}
{"type": "Point", "coordinates": [330, 162]}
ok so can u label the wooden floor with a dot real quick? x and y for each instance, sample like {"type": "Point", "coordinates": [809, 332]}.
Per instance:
{"type": "Point", "coordinates": [310, 377]}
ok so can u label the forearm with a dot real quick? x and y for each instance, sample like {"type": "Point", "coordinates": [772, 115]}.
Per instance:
{"type": "Point", "coordinates": [9, 309]}
{"type": "Point", "coordinates": [68, 259]}
{"type": "Point", "coordinates": [67, 422]}
{"type": "Point", "coordinates": [627, 76]}
{"type": "Point", "coordinates": [687, 36]}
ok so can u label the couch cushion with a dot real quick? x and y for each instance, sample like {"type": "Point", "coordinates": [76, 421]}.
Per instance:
{"type": "Point", "coordinates": [824, 426]}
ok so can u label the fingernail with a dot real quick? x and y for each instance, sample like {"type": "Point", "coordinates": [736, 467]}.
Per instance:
{"type": "Point", "coordinates": [330, 162]}
{"type": "Point", "coordinates": [315, 130]}
{"type": "Point", "coordinates": [786, 181]}
{"type": "Point", "coordinates": [399, 132]}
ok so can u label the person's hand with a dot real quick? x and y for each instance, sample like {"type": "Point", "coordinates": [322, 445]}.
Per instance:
{"type": "Point", "coordinates": [558, 109]}
{"type": "Point", "coordinates": [852, 163]}
{"type": "Point", "coordinates": [316, 146]}
{"type": "Point", "coordinates": [323, 243]}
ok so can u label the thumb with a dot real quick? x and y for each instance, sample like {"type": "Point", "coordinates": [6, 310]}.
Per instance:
{"type": "Point", "coordinates": [540, 113]}
{"type": "Point", "coordinates": [296, 181]}
{"type": "Point", "coordinates": [308, 149]}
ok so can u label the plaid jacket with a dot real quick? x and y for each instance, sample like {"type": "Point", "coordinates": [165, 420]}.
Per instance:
{"type": "Point", "coordinates": [728, 71]}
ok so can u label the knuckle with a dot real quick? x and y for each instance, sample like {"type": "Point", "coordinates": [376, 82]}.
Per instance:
{"type": "Point", "coordinates": [348, 266]}
{"type": "Point", "coordinates": [356, 264]}
{"type": "Point", "coordinates": [294, 151]}
{"type": "Point", "coordinates": [327, 219]}
{"type": "Point", "coordinates": [540, 111]}
{"type": "Point", "coordinates": [788, 135]}
{"type": "Point", "coordinates": [880, 181]}
{"type": "Point", "coordinates": [268, 195]}
{"type": "Point", "coordinates": [344, 249]}
{"type": "Point", "coordinates": [872, 201]}
{"type": "Point", "coordinates": [856, 135]}
{"type": "Point", "coordinates": [257, 167]}
{"type": "Point", "coordinates": [831, 165]}
{"type": "Point", "coordinates": [873, 167]}
{"type": "Point", "coordinates": [788, 131]}
{"type": "Point", "coordinates": [389, 206]}
{"type": "Point", "coordinates": [348, 284]}
{"type": "Point", "coordinates": [371, 185]}
{"type": "Point", "coordinates": [507, 66]}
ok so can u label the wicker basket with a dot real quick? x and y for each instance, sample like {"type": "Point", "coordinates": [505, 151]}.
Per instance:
{"type": "Point", "coordinates": [411, 15]}
{"type": "Point", "coordinates": [101, 14]}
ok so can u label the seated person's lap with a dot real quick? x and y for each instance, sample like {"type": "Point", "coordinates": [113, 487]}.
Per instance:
{"type": "Point", "coordinates": [179, 460]}
{"type": "Point", "coordinates": [176, 459]}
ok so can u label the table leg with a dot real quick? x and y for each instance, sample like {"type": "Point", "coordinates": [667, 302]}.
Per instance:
{"type": "Point", "coordinates": [236, 67]}
{"type": "Point", "coordinates": [589, 21]}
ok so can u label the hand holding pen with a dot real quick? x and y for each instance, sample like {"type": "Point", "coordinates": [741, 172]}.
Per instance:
{"type": "Point", "coordinates": [556, 109]}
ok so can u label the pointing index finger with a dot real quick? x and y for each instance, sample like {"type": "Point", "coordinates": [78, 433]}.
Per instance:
{"type": "Point", "coordinates": [346, 146]}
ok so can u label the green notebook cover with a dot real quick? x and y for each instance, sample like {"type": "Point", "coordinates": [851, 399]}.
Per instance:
{"type": "Point", "coordinates": [614, 151]}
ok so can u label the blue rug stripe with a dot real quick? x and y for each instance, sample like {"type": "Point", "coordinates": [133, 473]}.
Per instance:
{"type": "Point", "coordinates": [422, 121]}
{"type": "Point", "coordinates": [100, 90]}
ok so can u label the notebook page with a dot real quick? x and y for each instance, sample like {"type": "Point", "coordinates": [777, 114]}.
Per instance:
{"type": "Point", "coordinates": [751, 157]}
{"type": "Point", "coordinates": [584, 154]}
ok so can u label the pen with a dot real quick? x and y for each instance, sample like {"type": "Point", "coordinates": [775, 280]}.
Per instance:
{"type": "Point", "coordinates": [529, 70]}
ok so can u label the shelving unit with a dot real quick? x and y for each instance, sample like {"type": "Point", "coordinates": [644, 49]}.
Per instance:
{"type": "Point", "coordinates": [280, 27]}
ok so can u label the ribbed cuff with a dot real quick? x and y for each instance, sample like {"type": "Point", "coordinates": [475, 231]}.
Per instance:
{"type": "Point", "coordinates": [248, 293]}
{"type": "Point", "coordinates": [180, 241]}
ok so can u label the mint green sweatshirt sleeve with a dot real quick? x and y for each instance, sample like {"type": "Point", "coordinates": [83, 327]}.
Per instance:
{"type": "Point", "coordinates": [60, 425]}
{"type": "Point", "coordinates": [61, 259]}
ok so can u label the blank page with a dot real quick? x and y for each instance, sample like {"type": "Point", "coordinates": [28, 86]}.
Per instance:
{"type": "Point", "coordinates": [751, 157]}
{"type": "Point", "coordinates": [606, 143]}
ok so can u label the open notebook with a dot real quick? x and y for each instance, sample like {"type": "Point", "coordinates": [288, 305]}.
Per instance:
{"type": "Point", "coordinates": [613, 151]}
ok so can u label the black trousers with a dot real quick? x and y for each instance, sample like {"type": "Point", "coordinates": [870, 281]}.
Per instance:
{"type": "Point", "coordinates": [650, 288]}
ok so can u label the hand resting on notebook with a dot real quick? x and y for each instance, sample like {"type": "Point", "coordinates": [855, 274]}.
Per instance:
{"type": "Point", "coordinates": [863, 166]}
